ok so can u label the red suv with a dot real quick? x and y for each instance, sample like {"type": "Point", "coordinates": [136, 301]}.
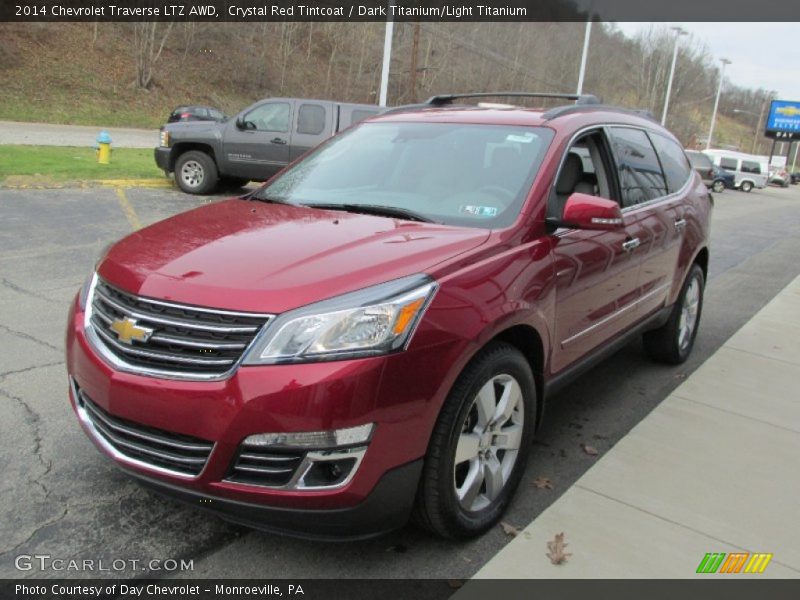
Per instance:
{"type": "Point", "coordinates": [374, 332]}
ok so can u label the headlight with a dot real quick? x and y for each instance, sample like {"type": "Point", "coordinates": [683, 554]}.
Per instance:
{"type": "Point", "coordinates": [373, 321]}
{"type": "Point", "coordinates": [164, 138]}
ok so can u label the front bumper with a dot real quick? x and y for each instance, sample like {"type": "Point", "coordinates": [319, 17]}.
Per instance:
{"type": "Point", "coordinates": [388, 391]}
{"type": "Point", "coordinates": [162, 156]}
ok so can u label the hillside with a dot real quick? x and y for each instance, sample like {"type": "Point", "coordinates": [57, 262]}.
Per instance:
{"type": "Point", "coordinates": [85, 73]}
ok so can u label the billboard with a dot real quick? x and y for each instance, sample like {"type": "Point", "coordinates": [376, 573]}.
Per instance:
{"type": "Point", "coordinates": [783, 120]}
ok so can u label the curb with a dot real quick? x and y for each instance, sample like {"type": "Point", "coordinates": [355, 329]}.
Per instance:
{"type": "Point", "coordinates": [114, 183]}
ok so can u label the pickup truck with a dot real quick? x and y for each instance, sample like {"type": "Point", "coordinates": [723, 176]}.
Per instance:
{"type": "Point", "coordinates": [253, 145]}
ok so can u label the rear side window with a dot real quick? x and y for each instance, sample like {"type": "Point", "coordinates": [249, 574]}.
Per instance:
{"type": "Point", "coordinates": [699, 160]}
{"type": "Point", "coordinates": [730, 164]}
{"type": "Point", "coordinates": [749, 166]}
{"type": "Point", "coordinates": [640, 175]}
{"type": "Point", "coordinates": [360, 115]}
{"type": "Point", "coordinates": [311, 119]}
{"type": "Point", "coordinates": [677, 169]}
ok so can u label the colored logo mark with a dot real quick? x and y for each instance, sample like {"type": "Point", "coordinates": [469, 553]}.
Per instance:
{"type": "Point", "coordinates": [789, 111]}
{"type": "Point", "coordinates": [735, 562]}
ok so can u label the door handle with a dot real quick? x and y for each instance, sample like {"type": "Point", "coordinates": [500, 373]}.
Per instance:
{"type": "Point", "coordinates": [277, 140]}
{"type": "Point", "coordinates": [631, 244]}
{"type": "Point", "coordinates": [680, 224]}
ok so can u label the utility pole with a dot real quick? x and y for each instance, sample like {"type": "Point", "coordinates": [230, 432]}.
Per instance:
{"type": "Point", "coordinates": [758, 123]}
{"type": "Point", "coordinates": [679, 31]}
{"type": "Point", "coordinates": [387, 56]}
{"type": "Point", "coordinates": [724, 62]}
{"type": "Point", "coordinates": [586, 36]}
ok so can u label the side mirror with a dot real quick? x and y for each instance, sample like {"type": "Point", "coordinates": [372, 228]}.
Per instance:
{"type": "Point", "coordinates": [584, 211]}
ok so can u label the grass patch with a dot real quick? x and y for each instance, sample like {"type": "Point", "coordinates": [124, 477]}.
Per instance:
{"type": "Point", "coordinates": [67, 163]}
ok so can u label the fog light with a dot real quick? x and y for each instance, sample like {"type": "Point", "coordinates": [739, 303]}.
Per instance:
{"type": "Point", "coordinates": [333, 438]}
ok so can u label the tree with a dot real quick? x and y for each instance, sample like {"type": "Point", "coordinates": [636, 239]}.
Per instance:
{"type": "Point", "coordinates": [148, 43]}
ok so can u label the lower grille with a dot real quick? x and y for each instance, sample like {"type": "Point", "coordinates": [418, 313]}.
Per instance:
{"type": "Point", "coordinates": [175, 452]}
{"type": "Point", "coordinates": [259, 466]}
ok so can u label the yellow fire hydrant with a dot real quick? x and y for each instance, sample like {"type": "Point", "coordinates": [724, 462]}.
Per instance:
{"type": "Point", "coordinates": [103, 148]}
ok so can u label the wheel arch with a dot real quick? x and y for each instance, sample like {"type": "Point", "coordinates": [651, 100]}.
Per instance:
{"type": "Point", "coordinates": [184, 147]}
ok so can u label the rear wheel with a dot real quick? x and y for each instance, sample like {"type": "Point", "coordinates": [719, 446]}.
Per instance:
{"type": "Point", "coordinates": [746, 186]}
{"type": "Point", "coordinates": [479, 446]}
{"type": "Point", "coordinates": [718, 186]}
{"type": "Point", "coordinates": [673, 342]}
{"type": "Point", "coordinates": [196, 173]}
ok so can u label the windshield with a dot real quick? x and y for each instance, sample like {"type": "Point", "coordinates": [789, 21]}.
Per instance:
{"type": "Point", "coordinates": [456, 174]}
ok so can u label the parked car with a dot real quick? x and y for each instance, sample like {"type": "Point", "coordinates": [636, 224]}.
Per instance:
{"type": "Point", "coordinates": [781, 177]}
{"type": "Point", "coordinates": [747, 169]}
{"type": "Point", "coordinates": [377, 330]}
{"type": "Point", "coordinates": [195, 113]}
{"type": "Point", "coordinates": [715, 178]}
{"type": "Point", "coordinates": [253, 145]}
{"type": "Point", "coordinates": [795, 177]}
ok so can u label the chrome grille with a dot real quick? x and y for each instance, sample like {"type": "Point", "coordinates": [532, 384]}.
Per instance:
{"type": "Point", "coordinates": [259, 466]}
{"type": "Point", "coordinates": [185, 340]}
{"type": "Point", "coordinates": [172, 451]}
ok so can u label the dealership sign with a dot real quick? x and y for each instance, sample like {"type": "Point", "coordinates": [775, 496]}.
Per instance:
{"type": "Point", "coordinates": [783, 121]}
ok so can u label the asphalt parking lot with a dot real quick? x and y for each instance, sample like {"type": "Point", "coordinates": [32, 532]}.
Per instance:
{"type": "Point", "coordinates": [63, 498]}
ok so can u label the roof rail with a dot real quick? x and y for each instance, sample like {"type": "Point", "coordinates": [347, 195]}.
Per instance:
{"type": "Point", "coordinates": [580, 99]}
{"type": "Point", "coordinates": [565, 110]}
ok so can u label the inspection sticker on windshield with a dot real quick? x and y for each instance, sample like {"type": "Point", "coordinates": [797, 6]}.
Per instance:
{"type": "Point", "coordinates": [525, 138]}
{"type": "Point", "coordinates": [479, 211]}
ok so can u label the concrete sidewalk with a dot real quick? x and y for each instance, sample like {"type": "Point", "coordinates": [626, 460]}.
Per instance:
{"type": "Point", "coordinates": [46, 134]}
{"type": "Point", "coordinates": [714, 468]}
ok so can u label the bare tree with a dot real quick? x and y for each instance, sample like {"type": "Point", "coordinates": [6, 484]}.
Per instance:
{"type": "Point", "coordinates": [148, 43]}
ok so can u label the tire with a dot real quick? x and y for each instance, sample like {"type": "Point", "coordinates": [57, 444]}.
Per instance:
{"type": "Point", "coordinates": [447, 504]}
{"type": "Point", "coordinates": [746, 186]}
{"type": "Point", "coordinates": [196, 173]}
{"type": "Point", "coordinates": [673, 342]}
{"type": "Point", "coordinates": [718, 186]}
{"type": "Point", "coordinates": [233, 183]}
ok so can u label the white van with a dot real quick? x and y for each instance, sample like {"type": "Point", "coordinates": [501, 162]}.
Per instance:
{"type": "Point", "coordinates": [749, 171]}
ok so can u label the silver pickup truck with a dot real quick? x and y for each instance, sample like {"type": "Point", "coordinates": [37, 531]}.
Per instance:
{"type": "Point", "coordinates": [253, 145]}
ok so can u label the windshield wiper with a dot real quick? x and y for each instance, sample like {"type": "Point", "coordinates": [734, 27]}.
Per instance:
{"type": "Point", "coordinates": [377, 209]}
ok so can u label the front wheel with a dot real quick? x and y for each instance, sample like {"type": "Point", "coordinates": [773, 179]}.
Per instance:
{"type": "Point", "coordinates": [673, 342]}
{"type": "Point", "coordinates": [746, 186]}
{"type": "Point", "coordinates": [480, 444]}
{"type": "Point", "coordinates": [718, 186]}
{"type": "Point", "coordinates": [196, 173]}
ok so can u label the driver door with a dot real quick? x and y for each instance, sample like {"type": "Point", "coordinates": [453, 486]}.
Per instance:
{"type": "Point", "coordinates": [257, 142]}
{"type": "Point", "coordinates": [596, 271]}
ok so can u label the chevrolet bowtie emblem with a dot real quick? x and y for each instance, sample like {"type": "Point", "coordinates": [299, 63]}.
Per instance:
{"type": "Point", "coordinates": [127, 330]}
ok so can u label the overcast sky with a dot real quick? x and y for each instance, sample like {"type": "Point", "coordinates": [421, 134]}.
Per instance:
{"type": "Point", "coordinates": [765, 55]}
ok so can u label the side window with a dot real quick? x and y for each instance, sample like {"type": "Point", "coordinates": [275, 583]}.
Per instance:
{"type": "Point", "coordinates": [269, 117]}
{"type": "Point", "coordinates": [360, 115]}
{"type": "Point", "coordinates": [676, 167]}
{"type": "Point", "coordinates": [585, 169]}
{"type": "Point", "coordinates": [749, 166]}
{"type": "Point", "coordinates": [729, 164]}
{"type": "Point", "coordinates": [640, 176]}
{"type": "Point", "coordinates": [311, 119]}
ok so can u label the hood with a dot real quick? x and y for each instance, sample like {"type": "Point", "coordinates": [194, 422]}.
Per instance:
{"type": "Point", "coordinates": [251, 256]}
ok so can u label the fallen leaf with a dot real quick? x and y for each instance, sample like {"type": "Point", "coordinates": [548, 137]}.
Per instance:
{"type": "Point", "coordinates": [398, 549]}
{"type": "Point", "coordinates": [466, 560]}
{"type": "Point", "coordinates": [543, 483]}
{"type": "Point", "coordinates": [680, 376]}
{"type": "Point", "coordinates": [556, 549]}
{"type": "Point", "coordinates": [509, 529]}
{"type": "Point", "coordinates": [590, 450]}
{"type": "Point", "coordinates": [455, 583]}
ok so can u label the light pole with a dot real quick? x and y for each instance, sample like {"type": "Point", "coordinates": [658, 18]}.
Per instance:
{"type": "Point", "coordinates": [679, 31]}
{"type": "Point", "coordinates": [387, 55]}
{"type": "Point", "coordinates": [587, 34]}
{"type": "Point", "coordinates": [724, 62]}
